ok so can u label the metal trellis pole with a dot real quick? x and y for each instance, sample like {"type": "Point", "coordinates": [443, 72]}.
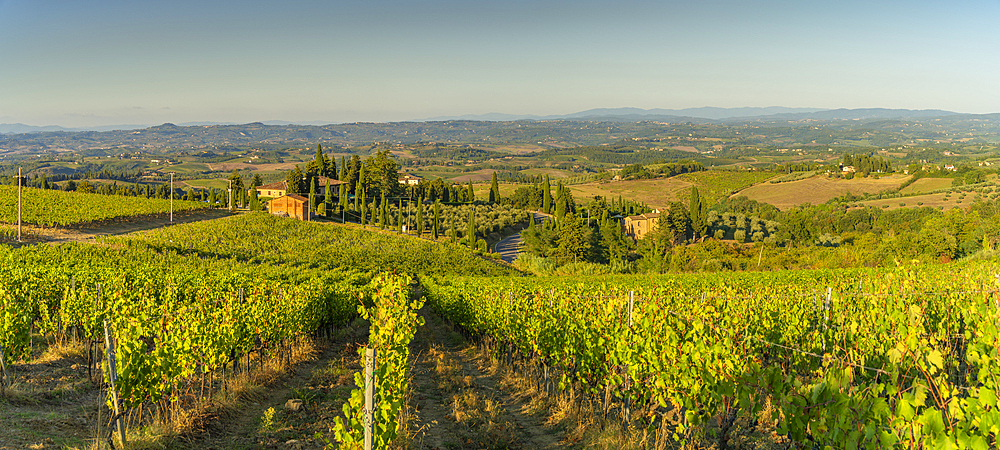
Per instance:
{"type": "Point", "coordinates": [19, 182]}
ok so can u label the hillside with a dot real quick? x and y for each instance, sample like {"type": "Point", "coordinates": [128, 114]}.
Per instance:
{"type": "Point", "coordinates": [817, 189]}
{"type": "Point", "coordinates": [883, 127]}
{"type": "Point", "coordinates": [52, 207]}
{"type": "Point", "coordinates": [659, 192]}
{"type": "Point", "coordinates": [264, 239]}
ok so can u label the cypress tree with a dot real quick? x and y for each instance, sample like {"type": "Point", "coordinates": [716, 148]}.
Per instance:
{"type": "Point", "coordinates": [561, 202]}
{"type": "Point", "coordinates": [254, 201]}
{"type": "Point", "coordinates": [328, 199]}
{"type": "Point", "coordinates": [471, 193]}
{"type": "Point", "coordinates": [343, 197]}
{"type": "Point", "coordinates": [471, 232]}
{"type": "Point", "coordinates": [697, 211]}
{"type": "Point", "coordinates": [546, 196]}
{"type": "Point", "coordinates": [420, 217]}
{"type": "Point", "coordinates": [494, 190]}
{"type": "Point", "coordinates": [377, 213]}
{"type": "Point", "coordinates": [364, 206]}
{"type": "Point", "coordinates": [384, 216]}
{"type": "Point", "coordinates": [331, 168]}
{"type": "Point", "coordinates": [399, 222]}
{"type": "Point", "coordinates": [437, 218]}
{"type": "Point", "coordinates": [312, 195]}
{"type": "Point", "coordinates": [319, 164]}
{"type": "Point", "coordinates": [359, 189]}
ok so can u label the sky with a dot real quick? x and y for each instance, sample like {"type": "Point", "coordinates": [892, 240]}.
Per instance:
{"type": "Point", "coordinates": [105, 62]}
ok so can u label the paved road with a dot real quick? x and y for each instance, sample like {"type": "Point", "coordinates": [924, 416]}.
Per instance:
{"type": "Point", "coordinates": [511, 245]}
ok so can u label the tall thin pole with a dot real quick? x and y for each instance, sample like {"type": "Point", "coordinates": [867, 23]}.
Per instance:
{"type": "Point", "coordinates": [18, 204]}
{"type": "Point", "coordinates": [171, 197]}
{"type": "Point", "coordinates": [369, 414]}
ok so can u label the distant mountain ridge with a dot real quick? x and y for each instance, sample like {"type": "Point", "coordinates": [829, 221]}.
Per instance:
{"type": "Point", "coordinates": [699, 115]}
{"type": "Point", "coordinates": [888, 125]}
{"type": "Point", "coordinates": [20, 128]}
{"type": "Point", "coordinates": [711, 114]}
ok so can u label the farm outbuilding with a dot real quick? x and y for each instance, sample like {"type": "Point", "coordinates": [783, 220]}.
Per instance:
{"type": "Point", "coordinates": [290, 205]}
{"type": "Point", "coordinates": [273, 190]}
{"type": "Point", "coordinates": [638, 226]}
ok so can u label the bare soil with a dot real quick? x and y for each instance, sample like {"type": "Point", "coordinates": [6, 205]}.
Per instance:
{"type": "Point", "coordinates": [51, 403]}
{"type": "Point", "coordinates": [323, 382]}
{"type": "Point", "coordinates": [458, 402]}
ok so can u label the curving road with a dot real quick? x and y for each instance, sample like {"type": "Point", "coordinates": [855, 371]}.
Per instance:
{"type": "Point", "coordinates": [509, 247]}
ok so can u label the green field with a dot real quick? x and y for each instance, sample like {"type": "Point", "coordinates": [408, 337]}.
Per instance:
{"type": "Point", "coordinates": [60, 208]}
{"type": "Point", "coordinates": [923, 185]}
{"type": "Point", "coordinates": [552, 173]}
{"type": "Point", "coordinates": [208, 183]}
{"type": "Point", "coordinates": [718, 184]}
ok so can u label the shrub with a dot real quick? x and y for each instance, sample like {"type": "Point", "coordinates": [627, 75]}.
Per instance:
{"type": "Point", "coordinates": [536, 265]}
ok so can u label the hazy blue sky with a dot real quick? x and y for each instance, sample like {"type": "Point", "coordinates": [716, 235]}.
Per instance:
{"type": "Point", "coordinates": [84, 63]}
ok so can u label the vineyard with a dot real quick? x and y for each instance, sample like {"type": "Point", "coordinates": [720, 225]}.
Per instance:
{"type": "Point", "coordinates": [59, 208]}
{"type": "Point", "coordinates": [263, 239]}
{"type": "Point", "coordinates": [860, 358]}
{"type": "Point", "coordinates": [900, 358]}
{"type": "Point", "coordinates": [166, 328]}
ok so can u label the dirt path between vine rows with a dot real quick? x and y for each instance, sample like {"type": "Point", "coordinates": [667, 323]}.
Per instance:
{"type": "Point", "coordinates": [87, 233]}
{"type": "Point", "coordinates": [458, 400]}
{"type": "Point", "coordinates": [264, 420]}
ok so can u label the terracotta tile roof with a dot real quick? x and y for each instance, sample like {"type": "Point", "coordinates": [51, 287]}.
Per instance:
{"type": "Point", "coordinates": [281, 185]}
{"type": "Point", "coordinates": [324, 181]}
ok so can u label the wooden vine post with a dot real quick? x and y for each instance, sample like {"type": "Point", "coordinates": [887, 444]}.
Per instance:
{"type": "Point", "coordinates": [626, 411]}
{"type": "Point", "coordinates": [94, 354]}
{"type": "Point", "coordinates": [826, 315]}
{"type": "Point", "coordinates": [3, 371]}
{"type": "Point", "coordinates": [369, 419]}
{"type": "Point", "coordinates": [113, 378]}
{"type": "Point", "coordinates": [232, 355]}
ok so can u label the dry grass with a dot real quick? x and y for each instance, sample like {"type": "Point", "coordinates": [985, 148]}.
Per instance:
{"type": "Point", "coordinates": [816, 190]}
{"type": "Point", "coordinates": [63, 349]}
{"type": "Point", "coordinates": [18, 393]}
{"type": "Point", "coordinates": [656, 193]}
{"type": "Point", "coordinates": [941, 201]}
{"type": "Point", "coordinates": [193, 413]}
{"type": "Point", "coordinates": [480, 411]}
